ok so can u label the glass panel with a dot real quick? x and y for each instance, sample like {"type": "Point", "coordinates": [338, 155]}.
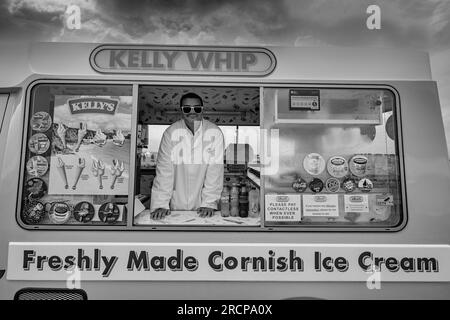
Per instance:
{"type": "Point", "coordinates": [169, 174]}
{"type": "Point", "coordinates": [77, 160]}
{"type": "Point", "coordinates": [336, 173]}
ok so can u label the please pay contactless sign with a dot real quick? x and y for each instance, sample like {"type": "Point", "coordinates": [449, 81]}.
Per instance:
{"type": "Point", "coordinates": [183, 60]}
{"type": "Point", "coordinates": [227, 262]}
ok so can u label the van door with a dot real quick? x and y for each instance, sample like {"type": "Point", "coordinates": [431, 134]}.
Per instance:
{"type": "Point", "coordinates": [3, 103]}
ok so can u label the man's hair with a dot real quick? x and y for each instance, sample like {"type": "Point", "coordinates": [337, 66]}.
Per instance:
{"type": "Point", "coordinates": [190, 95]}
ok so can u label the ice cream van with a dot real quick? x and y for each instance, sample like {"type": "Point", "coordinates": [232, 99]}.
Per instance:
{"type": "Point", "coordinates": [330, 177]}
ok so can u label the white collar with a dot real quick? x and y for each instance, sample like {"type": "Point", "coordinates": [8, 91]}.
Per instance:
{"type": "Point", "coordinates": [195, 131]}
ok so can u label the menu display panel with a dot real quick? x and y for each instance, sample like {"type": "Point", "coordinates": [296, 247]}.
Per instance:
{"type": "Point", "coordinates": [77, 155]}
{"type": "Point", "coordinates": [342, 158]}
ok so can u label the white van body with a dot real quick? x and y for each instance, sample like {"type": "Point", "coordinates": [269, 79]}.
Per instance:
{"type": "Point", "coordinates": [425, 161]}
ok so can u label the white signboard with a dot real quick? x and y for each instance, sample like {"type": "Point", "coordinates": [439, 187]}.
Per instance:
{"type": "Point", "coordinates": [43, 261]}
{"type": "Point", "coordinates": [185, 60]}
{"type": "Point", "coordinates": [356, 203]}
{"type": "Point", "coordinates": [320, 205]}
{"type": "Point", "coordinates": [283, 208]}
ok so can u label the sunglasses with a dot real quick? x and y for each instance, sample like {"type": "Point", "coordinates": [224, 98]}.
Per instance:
{"type": "Point", "coordinates": [189, 109]}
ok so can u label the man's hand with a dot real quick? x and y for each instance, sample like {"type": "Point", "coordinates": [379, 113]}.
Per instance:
{"type": "Point", "coordinates": [159, 213]}
{"type": "Point", "coordinates": [205, 212]}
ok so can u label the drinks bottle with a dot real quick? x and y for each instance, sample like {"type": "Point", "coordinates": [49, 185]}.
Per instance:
{"type": "Point", "coordinates": [225, 202]}
{"type": "Point", "coordinates": [234, 201]}
{"type": "Point", "coordinates": [243, 202]}
{"type": "Point", "coordinates": [253, 203]}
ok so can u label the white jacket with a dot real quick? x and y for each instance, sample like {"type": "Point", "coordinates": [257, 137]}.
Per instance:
{"type": "Point", "coordinates": [189, 168]}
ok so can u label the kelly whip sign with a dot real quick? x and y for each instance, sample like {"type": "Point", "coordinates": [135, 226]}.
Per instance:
{"type": "Point", "coordinates": [183, 60]}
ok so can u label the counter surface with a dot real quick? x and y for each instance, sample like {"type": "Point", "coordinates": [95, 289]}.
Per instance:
{"type": "Point", "coordinates": [192, 218]}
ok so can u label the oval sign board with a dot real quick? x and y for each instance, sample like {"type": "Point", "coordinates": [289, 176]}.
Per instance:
{"type": "Point", "coordinates": [183, 60]}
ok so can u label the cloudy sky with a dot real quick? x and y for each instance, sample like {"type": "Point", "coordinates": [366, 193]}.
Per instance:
{"type": "Point", "coordinates": [412, 24]}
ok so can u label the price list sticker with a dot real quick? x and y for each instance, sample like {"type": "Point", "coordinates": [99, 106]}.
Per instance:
{"type": "Point", "coordinates": [304, 99]}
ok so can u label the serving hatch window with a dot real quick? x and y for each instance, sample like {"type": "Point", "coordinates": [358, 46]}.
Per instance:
{"type": "Point", "coordinates": [339, 163]}
{"type": "Point", "coordinates": [195, 148]}
{"type": "Point", "coordinates": [77, 158]}
{"type": "Point", "coordinates": [337, 151]}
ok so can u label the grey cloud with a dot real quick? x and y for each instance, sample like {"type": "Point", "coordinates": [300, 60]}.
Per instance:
{"type": "Point", "coordinates": [174, 16]}
{"type": "Point", "coordinates": [27, 24]}
{"type": "Point", "coordinates": [341, 22]}
{"type": "Point", "coordinates": [417, 24]}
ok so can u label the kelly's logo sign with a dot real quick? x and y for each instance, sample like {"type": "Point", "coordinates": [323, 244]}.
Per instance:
{"type": "Point", "coordinates": [183, 60]}
{"type": "Point", "coordinates": [92, 105]}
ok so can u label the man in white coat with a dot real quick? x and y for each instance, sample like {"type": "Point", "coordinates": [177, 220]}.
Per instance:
{"type": "Point", "coordinates": [189, 167]}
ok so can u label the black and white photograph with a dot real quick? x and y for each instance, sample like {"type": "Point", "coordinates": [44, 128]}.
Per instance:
{"type": "Point", "coordinates": [228, 157]}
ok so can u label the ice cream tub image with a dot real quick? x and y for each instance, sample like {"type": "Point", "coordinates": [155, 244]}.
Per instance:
{"type": "Point", "coordinates": [39, 143]}
{"type": "Point", "coordinates": [314, 164]}
{"type": "Point", "coordinates": [59, 212]}
{"type": "Point", "coordinates": [358, 165]}
{"type": "Point", "coordinates": [37, 166]}
{"type": "Point", "coordinates": [41, 121]}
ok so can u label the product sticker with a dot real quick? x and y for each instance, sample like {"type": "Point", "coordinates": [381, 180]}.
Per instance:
{"type": "Point", "coordinates": [299, 185]}
{"type": "Point", "coordinates": [283, 208]}
{"type": "Point", "coordinates": [332, 185]}
{"type": "Point", "coordinates": [337, 167]}
{"type": "Point", "coordinates": [358, 165]}
{"type": "Point", "coordinates": [33, 212]}
{"type": "Point", "coordinates": [365, 185]}
{"type": "Point", "coordinates": [390, 127]}
{"type": "Point", "coordinates": [83, 211]}
{"type": "Point", "coordinates": [348, 185]}
{"type": "Point", "coordinates": [109, 212]}
{"type": "Point", "coordinates": [41, 121]}
{"type": "Point", "coordinates": [316, 185]}
{"type": "Point", "coordinates": [35, 188]}
{"type": "Point", "coordinates": [39, 143]}
{"type": "Point", "coordinates": [314, 164]}
{"type": "Point", "coordinates": [385, 199]}
{"type": "Point", "coordinates": [37, 166]}
{"type": "Point", "coordinates": [59, 212]}
{"type": "Point", "coordinates": [356, 203]}
{"type": "Point", "coordinates": [91, 145]}
{"type": "Point", "coordinates": [320, 205]}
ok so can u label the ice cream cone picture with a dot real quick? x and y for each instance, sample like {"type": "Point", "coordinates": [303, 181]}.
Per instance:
{"type": "Point", "coordinates": [116, 171]}
{"type": "Point", "coordinates": [61, 166]}
{"type": "Point", "coordinates": [119, 138]}
{"type": "Point", "coordinates": [81, 133]}
{"type": "Point", "coordinates": [80, 167]}
{"type": "Point", "coordinates": [99, 138]}
{"type": "Point", "coordinates": [98, 170]}
{"type": "Point", "coordinates": [61, 132]}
